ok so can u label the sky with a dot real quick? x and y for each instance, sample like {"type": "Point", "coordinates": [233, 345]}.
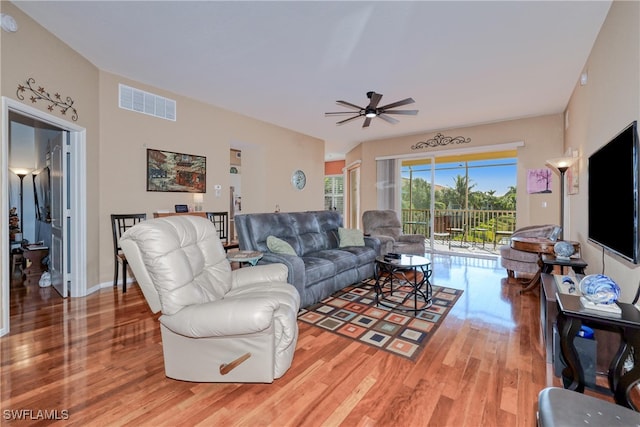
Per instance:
{"type": "Point", "coordinates": [496, 174]}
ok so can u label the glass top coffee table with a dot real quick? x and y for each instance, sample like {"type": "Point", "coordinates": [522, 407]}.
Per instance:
{"type": "Point", "coordinates": [403, 283]}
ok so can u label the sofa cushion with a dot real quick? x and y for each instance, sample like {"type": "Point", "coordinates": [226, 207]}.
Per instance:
{"type": "Point", "coordinates": [350, 237]}
{"type": "Point", "coordinates": [317, 269]}
{"type": "Point", "coordinates": [343, 260]}
{"type": "Point", "coordinates": [364, 254]}
{"type": "Point", "coordinates": [256, 231]}
{"type": "Point", "coordinates": [311, 237]}
{"type": "Point", "coordinates": [279, 246]}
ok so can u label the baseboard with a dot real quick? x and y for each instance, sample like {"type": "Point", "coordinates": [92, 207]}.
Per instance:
{"type": "Point", "coordinates": [104, 285]}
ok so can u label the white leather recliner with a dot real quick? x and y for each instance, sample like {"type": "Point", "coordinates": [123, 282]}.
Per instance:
{"type": "Point", "coordinates": [217, 325]}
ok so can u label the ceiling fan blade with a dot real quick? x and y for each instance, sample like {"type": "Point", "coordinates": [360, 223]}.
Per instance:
{"type": "Point", "coordinates": [375, 100]}
{"type": "Point", "coordinates": [405, 112]}
{"type": "Point", "coordinates": [350, 105]}
{"type": "Point", "coordinates": [367, 122]}
{"type": "Point", "coordinates": [349, 119]}
{"type": "Point", "coordinates": [340, 113]}
{"type": "Point", "coordinates": [398, 104]}
{"type": "Point", "coordinates": [388, 119]}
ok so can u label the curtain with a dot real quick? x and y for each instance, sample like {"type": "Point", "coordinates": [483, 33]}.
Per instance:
{"type": "Point", "coordinates": [386, 183]}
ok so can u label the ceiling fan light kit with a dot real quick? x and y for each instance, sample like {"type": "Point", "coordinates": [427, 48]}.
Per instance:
{"type": "Point", "coordinates": [372, 110]}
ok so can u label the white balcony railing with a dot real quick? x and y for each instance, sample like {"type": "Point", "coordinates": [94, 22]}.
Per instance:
{"type": "Point", "coordinates": [464, 228]}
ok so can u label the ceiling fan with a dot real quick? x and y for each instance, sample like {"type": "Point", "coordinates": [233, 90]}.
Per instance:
{"type": "Point", "coordinates": [372, 110]}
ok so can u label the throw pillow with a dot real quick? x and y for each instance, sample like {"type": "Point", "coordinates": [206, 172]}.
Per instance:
{"type": "Point", "coordinates": [350, 237]}
{"type": "Point", "coordinates": [279, 246]}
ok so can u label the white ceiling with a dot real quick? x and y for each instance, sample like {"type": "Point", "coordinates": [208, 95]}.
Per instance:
{"type": "Point", "coordinates": [464, 62]}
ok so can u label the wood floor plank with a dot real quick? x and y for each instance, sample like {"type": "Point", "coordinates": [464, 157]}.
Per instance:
{"type": "Point", "coordinates": [100, 359]}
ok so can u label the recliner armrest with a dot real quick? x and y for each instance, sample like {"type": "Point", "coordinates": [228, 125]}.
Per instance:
{"type": "Point", "coordinates": [294, 264]}
{"type": "Point", "coordinates": [263, 273]}
{"type": "Point", "coordinates": [229, 316]}
{"type": "Point", "coordinates": [411, 238]}
{"type": "Point", "coordinates": [372, 242]}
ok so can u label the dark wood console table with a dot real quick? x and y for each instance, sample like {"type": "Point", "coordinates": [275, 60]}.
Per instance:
{"type": "Point", "coordinates": [571, 316]}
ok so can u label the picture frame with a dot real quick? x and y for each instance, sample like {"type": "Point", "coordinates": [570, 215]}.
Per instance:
{"type": "Point", "coordinates": [555, 233]}
{"type": "Point", "coordinates": [539, 181]}
{"type": "Point", "coordinates": [168, 171]}
{"type": "Point", "coordinates": [181, 208]}
{"type": "Point", "coordinates": [573, 181]}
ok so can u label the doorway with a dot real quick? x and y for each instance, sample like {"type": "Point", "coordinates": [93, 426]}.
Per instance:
{"type": "Point", "coordinates": [70, 248]}
{"type": "Point", "coordinates": [353, 204]}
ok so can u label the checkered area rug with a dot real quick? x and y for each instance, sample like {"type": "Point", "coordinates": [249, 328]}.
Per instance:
{"type": "Point", "coordinates": [353, 313]}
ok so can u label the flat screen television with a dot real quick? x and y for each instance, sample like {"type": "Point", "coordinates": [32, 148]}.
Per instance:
{"type": "Point", "coordinates": [613, 195]}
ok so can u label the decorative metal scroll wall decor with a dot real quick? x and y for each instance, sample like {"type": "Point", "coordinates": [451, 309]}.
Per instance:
{"type": "Point", "coordinates": [54, 101]}
{"type": "Point", "coordinates": [440, 140]}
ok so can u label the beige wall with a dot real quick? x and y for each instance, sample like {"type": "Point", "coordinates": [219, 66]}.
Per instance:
{"type": "Point", "coordinates": [32, 52]}
{"type": "Point", "coordinates": [542, 138]}
{"type": "Point", "coordinates": [599, 110]}
{"type": "Point", "coordinates": [204, 130]}
{"type": "Point", "coordinates": [117, 141]}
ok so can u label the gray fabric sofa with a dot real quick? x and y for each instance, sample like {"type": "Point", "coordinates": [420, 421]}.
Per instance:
{"type": "Point", "coordinates": [320, 266]}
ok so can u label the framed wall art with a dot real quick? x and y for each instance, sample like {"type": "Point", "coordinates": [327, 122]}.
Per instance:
{"type": "Point", "coordinates": [539, 181]}
{"type": "Point", "coordinates": [176, 172]}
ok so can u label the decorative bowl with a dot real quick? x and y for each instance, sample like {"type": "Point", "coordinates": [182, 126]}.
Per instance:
{"type": "Point", "coordinates": [599, 289]}
{"type": "Point", "coordinates": [563, 249]}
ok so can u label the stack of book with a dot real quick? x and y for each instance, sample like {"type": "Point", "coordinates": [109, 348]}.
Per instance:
{"type": "Point", "coordinates": [604, 309]}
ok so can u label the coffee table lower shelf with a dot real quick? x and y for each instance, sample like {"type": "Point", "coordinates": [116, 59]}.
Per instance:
{"type": "Point", "coordinates": [410, 271]}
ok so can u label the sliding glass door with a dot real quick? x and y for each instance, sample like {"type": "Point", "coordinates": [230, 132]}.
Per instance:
{"type": "Point", "coordinates": [463, 203]}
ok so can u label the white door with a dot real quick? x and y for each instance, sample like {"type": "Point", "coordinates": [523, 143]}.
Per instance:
{"type": "Point", "coordinates": [59, 213]}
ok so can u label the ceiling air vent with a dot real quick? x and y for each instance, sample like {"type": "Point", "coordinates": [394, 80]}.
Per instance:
{"type": "Point", "coordinates": [147, 103]}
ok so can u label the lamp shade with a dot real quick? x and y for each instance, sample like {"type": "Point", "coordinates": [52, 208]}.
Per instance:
{"type": "Point", "coordinates": [21, 171]}
{"type": "Point", "coordinates": [562, 163]}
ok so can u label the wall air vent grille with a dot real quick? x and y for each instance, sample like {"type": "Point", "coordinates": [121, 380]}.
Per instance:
{"type": "Point", "coordinates": [147, 103]}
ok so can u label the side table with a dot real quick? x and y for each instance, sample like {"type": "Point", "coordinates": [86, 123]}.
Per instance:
{"type": "Point", "coordinates": [251, 257]}
{"type": "Point", "coordinates": [539, 245]}
{"type": "Point", "coordinates": [550, 261]}
{"type": "Point", "coordinates": [571, 316]}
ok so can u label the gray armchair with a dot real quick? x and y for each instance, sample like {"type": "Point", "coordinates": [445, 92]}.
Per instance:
{"type": "Point", "coordinates": [520, 262]}
{"type": "Point", "coordinates": [386, 227]}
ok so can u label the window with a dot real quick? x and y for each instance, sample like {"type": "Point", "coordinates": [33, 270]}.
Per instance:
{"type": "Point", "coordinates": [334, 193]}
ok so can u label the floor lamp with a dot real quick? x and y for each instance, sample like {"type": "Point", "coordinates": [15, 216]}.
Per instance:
{"type": "Point", "coordinates": [21, 173]}
{"type": "Point", "coordinates": [561, 164]}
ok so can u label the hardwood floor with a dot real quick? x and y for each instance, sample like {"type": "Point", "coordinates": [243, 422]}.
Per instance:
{"type": "Point", "coordinates": [98, 361]}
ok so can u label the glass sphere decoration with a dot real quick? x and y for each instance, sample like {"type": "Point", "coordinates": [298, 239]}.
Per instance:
{"type": "Point", "coordinates": [599, 289]}
{"type": "Point", "coordinates": [563, 249]}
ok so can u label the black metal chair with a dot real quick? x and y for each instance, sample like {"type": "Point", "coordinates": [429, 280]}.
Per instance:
{"type": "Point", "coordinates": [221, 221]}
{"type": "Point", "coordinates": [119, 224]}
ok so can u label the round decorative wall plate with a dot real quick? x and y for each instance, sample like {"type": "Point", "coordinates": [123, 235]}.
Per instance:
{"type": "Point", "coordinates": [298, 179]}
